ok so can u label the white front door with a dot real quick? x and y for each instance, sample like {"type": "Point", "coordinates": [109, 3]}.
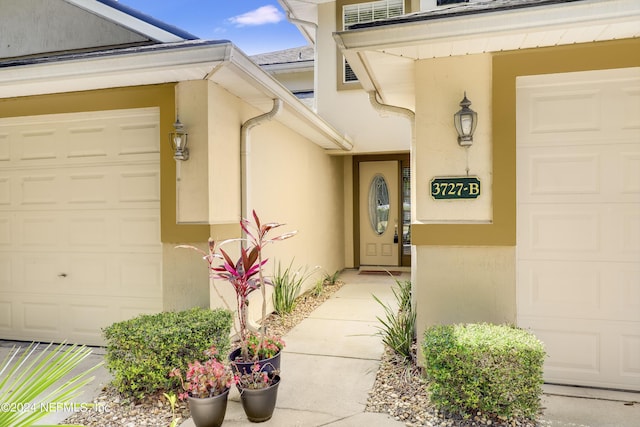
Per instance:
{"type": "Point", "coordinates": [379, 213]}
{"type": "Point", "coordinates": [578, 281]}
{"type": "Point", "coordinates": [79, 223]}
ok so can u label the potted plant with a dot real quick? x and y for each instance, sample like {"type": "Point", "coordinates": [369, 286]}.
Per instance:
{"type": "Point", "coordinates": [206, 387]}
{"type": "Point", "coordinates": [266, 355]}
{"type": "Point", "coordinates": [245, 276]}
{"type": "Point", "coordinates": [258, 392]}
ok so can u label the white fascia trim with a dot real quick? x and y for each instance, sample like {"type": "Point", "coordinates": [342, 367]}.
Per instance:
{"type": "Point", "coordinates": [289, 67]}
{"type": "Point", "coordinates": [583, 13]}
{"type": "Point", "coordinates": [136, 68]}
{"type": "Point", "coordinates": [127, 21]}
{"type": "Point", "coordinates": [274, 89]}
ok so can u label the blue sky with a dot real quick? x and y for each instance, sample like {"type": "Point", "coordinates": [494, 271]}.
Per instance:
{"type": "Point", "coordinates": [255, 26]}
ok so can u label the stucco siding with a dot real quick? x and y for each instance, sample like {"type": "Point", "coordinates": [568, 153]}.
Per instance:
{"type": "Point", "coordinates": [350, 110]}
{"type": "Point", "coordinates": [32, 27]}
{"type": "Point", "coordinates": [464, 285]}
{"type": "Point", "coordinates": [440, 86]}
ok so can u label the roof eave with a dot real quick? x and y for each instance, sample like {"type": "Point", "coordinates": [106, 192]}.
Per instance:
{"type": "Point", "coordinates": [373, 51]}
{"type": "Point", "coordinates": [220, 62]}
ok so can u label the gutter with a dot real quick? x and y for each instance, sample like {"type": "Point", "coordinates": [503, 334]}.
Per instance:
{"type": "Point", "coordinates": [272, 88]}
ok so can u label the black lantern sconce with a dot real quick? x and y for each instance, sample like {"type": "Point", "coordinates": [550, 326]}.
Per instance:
{"type": "Point", "coordinates": [178, 140]}
{"type": "Point", "coordinates": [465, 121]}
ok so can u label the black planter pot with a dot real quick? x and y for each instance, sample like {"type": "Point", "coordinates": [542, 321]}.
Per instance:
{"type": "Point", "coordinates": [208, 411]}
{"type": "Point", "coordinates": [242, 367]}
{"type": "Point", "coordinates": [259, 404]}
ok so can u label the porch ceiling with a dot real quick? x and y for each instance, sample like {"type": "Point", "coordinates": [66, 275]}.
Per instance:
{"type": "Point", "coordinates": [383, 55]}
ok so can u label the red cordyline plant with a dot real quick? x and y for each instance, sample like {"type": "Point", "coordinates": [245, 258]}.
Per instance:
{"type": "Point", "coordinates": [245, 275]}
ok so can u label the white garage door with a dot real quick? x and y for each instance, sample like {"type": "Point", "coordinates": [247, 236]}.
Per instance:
{"type": "Point", "coordinates": [79, 223]}
{"type": "Point", "coordinates": [578, 170]}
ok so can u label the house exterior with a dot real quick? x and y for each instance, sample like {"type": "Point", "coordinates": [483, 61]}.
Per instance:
{"type": "Point", "coordinates": [552, 242]}
{"type": "Point", "coordinates": [92, 203]}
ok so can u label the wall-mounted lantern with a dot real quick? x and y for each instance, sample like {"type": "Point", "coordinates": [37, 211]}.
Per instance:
{"type": "Point", "coordinates": [178, 140]}
{"type": "Point", "coordinates": [465, 121]}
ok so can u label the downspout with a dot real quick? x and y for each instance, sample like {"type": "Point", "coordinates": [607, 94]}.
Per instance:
{"type": "Point", "coordinates": [404, 112]}
{"type": "Point", "coordinates": [245, 152]}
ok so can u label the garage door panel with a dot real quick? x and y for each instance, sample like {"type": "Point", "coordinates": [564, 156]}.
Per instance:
{"type": "Point", "coordinates": [578, 231]}
{"type": "Point", "coordinates": [141, 137]}
{"type": "Point", "coordinates": [630, 350]}
{"type": "Point", "coordinates": [5, 191]}
{"type": "Point", "coordinates": [86, 319]}
{"type": "Point", "coordinates": [580, 290]}
{"type": "Point", "coordinates": [38, 189]}
{"type": "Point", "coordinates": [6, 315]}
{"type": "Point", "coordinates": [5, 229]}
{"type": "Point", "coordinates": [88, 141]}
{"type": "Point", "coordinates": [41, 317]}
{"type": "Point", "coordinates": [579, 174]}
{"type": "Point", "coordinates": [565, 111]}
{"type": "Point", "coordinates": [140, 186]}
{"type": "Point", "coordinates": [549, 174]}
{"type": "Point", "coordinates": [629, 221]}
{"type": "Point", "coordinates": [559, 288]}
{"type": "Point", "coordinates": [140, 230]}
{"type": "Point", "coordinates": [630, 172]}
{"type": "Point", "coordinates": [140, 275]}
{"type": "Point", "coordinates": [36, 144]}
{"type": "Point", "coordinates": [579, 351]}
{"type": "Point", "coordinates": [82, 188]}
{"type": "Point", "coordinates": [571, 350]}
{"type": "Point", "coordinates": [629, 102]}
{"type": "Point", "coordinates": [578, 223]}
{"type": "Point", "coordinates": [5, 153]}
{"type": "Point", "coordinates": [573, 229]}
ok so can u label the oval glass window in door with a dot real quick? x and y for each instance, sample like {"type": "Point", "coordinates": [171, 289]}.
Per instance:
{"type": "Point", "coordinates": [379, 204]}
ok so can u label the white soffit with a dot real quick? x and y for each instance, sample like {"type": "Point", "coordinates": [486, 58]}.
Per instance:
{"type": "Point", "coordinates": [381, 55]}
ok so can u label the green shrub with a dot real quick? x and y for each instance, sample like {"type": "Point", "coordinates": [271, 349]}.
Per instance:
{"type": "Point", "coordinates": [142, 351]}
{"type": "Point", "coordinates": [398, 328]}
{"type": "Point", "coordinates": [495, 369]}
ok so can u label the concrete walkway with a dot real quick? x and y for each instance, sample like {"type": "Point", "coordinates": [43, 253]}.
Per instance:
{"type": "Point", "coordinates": [330, 362]}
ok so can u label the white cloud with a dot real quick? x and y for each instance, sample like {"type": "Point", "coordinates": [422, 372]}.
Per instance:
{"type": "Point", "coordinates": [263, 15]}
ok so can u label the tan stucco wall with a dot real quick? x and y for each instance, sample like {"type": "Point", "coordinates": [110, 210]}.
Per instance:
{"type": "Point", "coordinates": [295, 182]}
{"type": "Point", "coordinates": [208, 184]}
{"type": "Point", "coordinates": [439, 90]}
{"type": "Point", "coordinates": [464, 284]}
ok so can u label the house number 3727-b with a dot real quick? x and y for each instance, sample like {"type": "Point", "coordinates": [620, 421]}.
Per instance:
{"type": "Point", "coordinates": [467, 187]}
